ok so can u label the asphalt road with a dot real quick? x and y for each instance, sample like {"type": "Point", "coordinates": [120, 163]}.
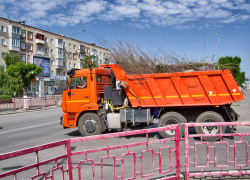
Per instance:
{"type": "Point", "coordinates": [23, 130]}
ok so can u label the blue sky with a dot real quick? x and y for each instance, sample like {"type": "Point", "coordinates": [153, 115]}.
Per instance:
{"type": "Point", "coordinates": [151, 24]}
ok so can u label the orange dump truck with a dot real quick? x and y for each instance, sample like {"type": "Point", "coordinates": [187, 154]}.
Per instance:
{"type": "Point", "coordinates": [108, 98]}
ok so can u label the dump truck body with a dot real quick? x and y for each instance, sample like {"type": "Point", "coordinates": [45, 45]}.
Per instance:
{"type": "Point", "coordinates": [200, 88]}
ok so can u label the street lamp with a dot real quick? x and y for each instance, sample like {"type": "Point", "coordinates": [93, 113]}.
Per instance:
{"type": "Point", "coordinates": [216, 23]}
{"type": "Point", "coordinates": [77, 32]}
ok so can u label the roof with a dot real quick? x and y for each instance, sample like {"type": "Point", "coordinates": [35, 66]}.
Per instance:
{"type": "Point", "coordinates": [58, 35]}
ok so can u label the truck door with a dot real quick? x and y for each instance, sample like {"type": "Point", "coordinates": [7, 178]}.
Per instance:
{"type": "Point", "coordinates": [78, 93]}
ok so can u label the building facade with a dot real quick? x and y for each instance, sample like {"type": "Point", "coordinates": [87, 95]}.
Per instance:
{"type": "Point", "coordinates": [55, 53]}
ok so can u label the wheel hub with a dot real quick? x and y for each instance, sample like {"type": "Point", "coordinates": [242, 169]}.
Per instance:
{"type": "Point", "coordinates": [90, 125]}
{"type": "Point", "coordinates": [210, 129]}
{"type": "Point", "coordinates": [169, 122]}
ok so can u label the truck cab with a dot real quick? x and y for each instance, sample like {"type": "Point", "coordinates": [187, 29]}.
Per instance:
{"type": "Point", "coordinates": [84, 93]}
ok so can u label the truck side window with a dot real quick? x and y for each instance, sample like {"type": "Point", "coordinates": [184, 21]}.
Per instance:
{"type": "Point", "coordinates": [81, 82]}
{"type": "Point", "coordinates": [99, 78]}
{"type": "Point", "coordinates": [72, 83]}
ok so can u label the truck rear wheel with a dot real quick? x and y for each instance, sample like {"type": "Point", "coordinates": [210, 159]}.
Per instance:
{"type": "Point", "coordinates": [90, 124]}
{"type": "Point", "coordinates": [209, 117]}
{"type": "Point", "coordinates": [168, 119]}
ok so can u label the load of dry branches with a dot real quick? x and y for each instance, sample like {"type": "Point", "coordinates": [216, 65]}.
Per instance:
{"type": "Point", "coordinates": [134, 60]}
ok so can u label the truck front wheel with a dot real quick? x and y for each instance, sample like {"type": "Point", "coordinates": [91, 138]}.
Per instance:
{"type": "Point", "coordinates": [168, 119]}
{"type": "Point", "coordinates": [209, 117]}
{"type": "Point", "coordinates": [90, 124]}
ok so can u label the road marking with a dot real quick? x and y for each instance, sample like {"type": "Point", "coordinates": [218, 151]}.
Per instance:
{"type": "Point", "coordinates": [28, 127]}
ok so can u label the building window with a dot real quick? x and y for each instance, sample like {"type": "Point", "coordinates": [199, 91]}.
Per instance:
{"type": "Point", "coordinates": [52, 51]}
{"type": "Point", "coordinates": [74, 55]}
{"type": "Point", "coordinates": [3, 54]}
{"type": "Point", "coordinates": [60, 42]}
{"type": "Point", "coordinates": [88, 50]}
{"type": "Point", "coordinates": [69, 65]}
{"type": "Point", "coordinates": [60, 51]}
{"type": "Point", "coordinates": [30, 47]}
{"type": "Point", "coordinates": [64, 73]}
{"type": "Point", "coordinates": [100, 61]}
{"type": "Point", "coordinates": [58, 73]}
{"type": "Point", "coordinates": [70, 55]}
{"type": "Point", "coordinates": [100, 53]}
{"type": "Point", "coordinates": [46, 39]}
{"type": "Point", "coordinates": [46, 50]}
{"type": "Point", "coordinates": [23, 45]}
{"type": "Point", "coordinates": [74, 47]}
{"type": "Point", "coordinates": [74, 65]}
{"type": "Point", "coordinates": [69, 46]}
{"type": "Point", "coordinates": [59, 62]}
{"type": "Point", "coordinates": [4, 42]}
{"type": "Point", "coordinates": [39, 48]}
{"type": "Point", "coordinates": [23, 35]}
{"type": "Point", "coordinates": [16, 42]}
{"type": "Point", "coordinates": [29, 59]}
{"type": "Point", "coordinates": [64, 54]}
{"type": "Point", "coordinates": [23, 57]}
{"type": "Point", "coordinates": [52, 62]}
{"type": "Point", "coordinates": [40, 36]}
{"type": "Point", "coordinates": [52, 73]}
{"type": "Point", "coordinates": [30, 35]}
{"type": "Point", "coordinates": [64, 44]}
{"type": "Point", "coordinates": [3, 28]}
{"type": "Point", "coordinates": [16, 29]}
{"type": "Point", "coordinates": [51, 41]}
{"type": "Point", "coordinates": [64, 64]}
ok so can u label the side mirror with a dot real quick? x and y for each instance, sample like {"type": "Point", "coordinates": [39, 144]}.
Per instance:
{"type": "Point", "coordinates": [68, 90]}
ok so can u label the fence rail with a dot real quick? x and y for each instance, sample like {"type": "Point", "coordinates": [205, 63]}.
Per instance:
{"type": "Point", "coordinates": [29, 103]}
{"type": "Point", "coordinates": [183, 156]}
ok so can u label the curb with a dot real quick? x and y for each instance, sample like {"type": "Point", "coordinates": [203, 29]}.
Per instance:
{"type": "Point", "coordinates": [29, 110]}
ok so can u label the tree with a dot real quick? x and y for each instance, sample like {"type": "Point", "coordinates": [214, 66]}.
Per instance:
{"type": "Point", "coordinates": [11, 58]}
{"type": "Point", "coordinates": [233, 64]}
{"type": "Point", "coordinates": [25, 73]}
{"type": "Point", "coordinates": [85, 63]}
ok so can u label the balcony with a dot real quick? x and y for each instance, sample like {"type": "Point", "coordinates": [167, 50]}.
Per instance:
{"type": "Point", "coordinates": [81, 49]}
{"type": "Point", "coordinates": [59, 67]}
{"type": "Point", "coordinates": [81, 56]}
{"type": "Point", "coordinates": [40, 39]}
{"type": "Point", "coordinates": [41, 53]}
{"type": "Point", "coordinates": [59, 43]}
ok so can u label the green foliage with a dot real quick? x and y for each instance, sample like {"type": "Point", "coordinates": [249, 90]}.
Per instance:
{"type": "Point", "coordinates": [233, 64]}
{"type": "Point", "coordinates": [24, 73]}
{"type": "Point", "coordinates": [5, 97]}
{"type": "Point", "coordinates": [11, 58]}
{"type": "Point", "coordinates": [85, 63]}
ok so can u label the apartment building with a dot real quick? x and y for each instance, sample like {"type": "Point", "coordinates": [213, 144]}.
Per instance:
{"type": "Point", "coordinates": [55, 53]}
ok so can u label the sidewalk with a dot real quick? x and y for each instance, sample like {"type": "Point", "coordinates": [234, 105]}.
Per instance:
{"type": "Point", "coordinates": [30, 110]}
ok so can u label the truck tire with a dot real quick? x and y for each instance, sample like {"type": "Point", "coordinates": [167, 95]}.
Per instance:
{"type": "Point", "coordinates": [90, 124]}
{"type": "Point", "coordinates": [168, 119]}
{"type": "Point", "coordinates": [209, 116]}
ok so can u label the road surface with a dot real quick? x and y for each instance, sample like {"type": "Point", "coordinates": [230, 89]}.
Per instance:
{"type": "Point", "coordinates": [23, 130]}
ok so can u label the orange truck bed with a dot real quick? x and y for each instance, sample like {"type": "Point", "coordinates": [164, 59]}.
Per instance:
{"type": "Point", "coordinates": [199, 88]}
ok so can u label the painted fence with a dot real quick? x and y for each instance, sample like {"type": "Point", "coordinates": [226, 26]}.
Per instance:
{"type": "Point", "coordinates": [171, 158]}
{"type": "Point", "coordinates": [29, 103]}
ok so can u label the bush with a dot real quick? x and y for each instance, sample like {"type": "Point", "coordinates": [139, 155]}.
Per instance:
{"type": "Point", "coordinates": [5, 97]}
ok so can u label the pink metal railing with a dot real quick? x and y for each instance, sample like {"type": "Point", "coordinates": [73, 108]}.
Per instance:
{"type": "Point", "coordinates": [80, 159]}
{"type": "Point", "coordinates": [28, 103]}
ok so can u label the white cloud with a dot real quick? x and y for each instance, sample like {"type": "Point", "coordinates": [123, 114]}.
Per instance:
{"type": "Point", "coordinates": [2, 7]}
{"type": "Point", "coordinates": [219, 13]}
{"type": "Point", "coordinates": [136, 13]}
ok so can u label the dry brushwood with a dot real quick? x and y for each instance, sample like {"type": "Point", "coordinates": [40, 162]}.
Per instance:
{"type": "Point", "coordinates": [136, 61]}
